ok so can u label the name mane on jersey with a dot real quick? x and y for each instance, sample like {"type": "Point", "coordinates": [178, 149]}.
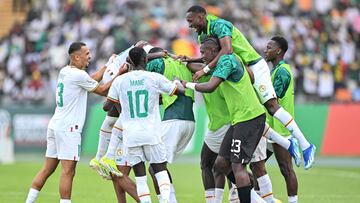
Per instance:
{"type": "Point", "coordinates": [137, 82]}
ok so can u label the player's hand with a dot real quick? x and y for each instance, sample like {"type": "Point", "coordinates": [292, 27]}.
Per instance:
{"type": "Point", "coordinates": [111, 59]}
{"type": "Point", "coordinates": [123, 69]}
{"type": "Point", "coordinates": [141, 43]}
{"type": "Point", "coordinates": [184, 58]}
{"type": "Point", "coordinates": [198, 75]}
{"type": "Point", "coordinates": [183, 82]}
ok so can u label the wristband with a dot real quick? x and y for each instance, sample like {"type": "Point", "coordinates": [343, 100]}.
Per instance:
{"type": "Point", "coordinates": [190, 85]}
{"type": "Point", "coordinates": [206, 69]}
{"type": "Point", "coordinates": [177, 82]}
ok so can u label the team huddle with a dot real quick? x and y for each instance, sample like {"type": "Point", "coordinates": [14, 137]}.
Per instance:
{"type": "Point", "coordinates": [250, 111]}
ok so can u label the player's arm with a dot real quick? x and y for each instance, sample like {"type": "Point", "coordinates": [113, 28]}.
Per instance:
{"type": "Point", "coordinates": [226, 48]}
{"type": "Point", "coordinates": [206, 87]}
{"type": "Point", "coordinates": [103, 90]}
{"type": "Point", "coordinates": [189, 59]}
{"type": "Point", "coordinates": [194, 67]}
{"type": "Point", "coordinates": [98, 75]}
{"type": "Point", "coordinates": [113, 96]}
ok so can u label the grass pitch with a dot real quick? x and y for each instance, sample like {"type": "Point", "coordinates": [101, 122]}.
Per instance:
{"type": "Point", "coordinates": [320, 184]}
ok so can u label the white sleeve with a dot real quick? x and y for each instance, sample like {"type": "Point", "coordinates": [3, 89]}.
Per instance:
{"type": "Point", "coordinates": [164, 85]}
{"type": "Point", "coordinates": [114, 93]}
{"type": "Point", "coordinates": [85, 81]}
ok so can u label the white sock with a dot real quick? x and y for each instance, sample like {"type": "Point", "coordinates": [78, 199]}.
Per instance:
{"type": "Point", "coordinates": [172, 194]}
{"type": "Point", "coordinates": [65, 201]}
{"type": "Point", "coordinates": [293, 199]}
{"type": "Point", "coordinates": [265, 187]}
{"type": "Point", "coordinates": [104, 139]}
{"type": "Point", "coordinates": [219, 195]}
{"type": "Point", "coordinates": [285, 118]}
{"type": "Point", "coordinates": [163, 180]}
{"type": "Point", "coordinates": [255, 198]}
{"type": "Point", "coordinates": [32, 195]}
{"type": "Point", "coordinates": [210, 195]}
{"type": "Point", "coordinates": [104, 136]}
{"type": "Point", "coordinates": [270, 134]}
{"type": "Point", "coordinates": [142, 189]}
{"type": "Point", "coordinates": [116, 137]}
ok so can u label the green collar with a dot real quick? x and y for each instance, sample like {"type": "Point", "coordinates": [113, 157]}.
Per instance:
{"type": "Point", "coordinates": [280, 63]}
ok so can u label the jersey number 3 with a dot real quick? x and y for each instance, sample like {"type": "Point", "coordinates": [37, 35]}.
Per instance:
{"type": "Point", "coordinates": [59, 99]}
{"type": "Point", "coordinates": [141, 101]}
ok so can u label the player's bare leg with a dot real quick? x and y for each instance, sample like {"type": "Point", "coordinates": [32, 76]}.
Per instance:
{"type": "Point", "coordinates": [284, 161]}
{"type": "Point", "coordinates": [213, 180]}
{"type": "Point", "coordinates": [124, 184]}
{"type": "Point", "coordinates": [66, 178]}
{"type": "Point", "coordinates": [40, 179]}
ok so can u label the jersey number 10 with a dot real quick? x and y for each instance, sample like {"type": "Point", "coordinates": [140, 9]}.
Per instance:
{"type": "Point", "coordinates": [140, 102]}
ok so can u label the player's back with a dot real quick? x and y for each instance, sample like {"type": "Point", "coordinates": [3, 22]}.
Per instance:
{"type": "Point", "coordinates": [139, 98]}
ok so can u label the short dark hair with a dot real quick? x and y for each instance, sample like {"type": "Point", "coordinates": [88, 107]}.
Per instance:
{"type": "Point", "coordinates": [213, 41]}
{"type": "Point", "coordinates": [282, 42]}
{"type": "Point", "coordinates": [196, 9]}
{"type": "Point", "coordinates": [155, 50]}
{"type": "Point", "coordinates": [137, 55]}
{"type": "Point", "coordinates": [75, 46]}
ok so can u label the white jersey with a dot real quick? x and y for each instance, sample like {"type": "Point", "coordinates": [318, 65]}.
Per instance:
{"type": "Point", "coordinates": [118, 62]}
{"type": "Point", "coordinates": [71, 99]}
{"type": "Point", "coordinates": [138, 93]}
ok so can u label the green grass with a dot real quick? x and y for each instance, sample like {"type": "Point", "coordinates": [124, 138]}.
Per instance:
{"type": "Point", "coordinates": [320, 184]}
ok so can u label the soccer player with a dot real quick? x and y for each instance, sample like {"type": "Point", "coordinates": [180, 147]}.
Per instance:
{"type": "Point", "coordinates": [246, 113]}
{"type": "Point", "coordinates": [178, 123]}
{"type": "Point", "coordinates": [65, 127]}
{"type": "Point", "coordinates": [219, 123]}
{"type": "Point", "coordinates": [283, 81]}
{"type": "Point", "coordinates": [138, 94]}
{"type": "Point", "coordinates": [232, 40]}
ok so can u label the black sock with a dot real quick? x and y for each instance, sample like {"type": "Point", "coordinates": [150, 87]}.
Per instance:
{"type": "Point", "coordinates": [231, 177]}
{"type": "Point", "coordinates": [244, 194]}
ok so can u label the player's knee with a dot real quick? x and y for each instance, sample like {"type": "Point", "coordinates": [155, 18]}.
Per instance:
{"type": "Point", "coordinates": [47, 172]}
{"type": "Point", "coordinates": [272, 106]}
{"type": "Point", "coordinates": [69, 172]}
{"type": "Point", "coordinates": [221, 165]}
{"type": "Point", "coordinates": [258, 169]}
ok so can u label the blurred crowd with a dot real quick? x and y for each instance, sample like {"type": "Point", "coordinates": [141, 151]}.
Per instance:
{"type": "Point", "coordinates": [323, 35]}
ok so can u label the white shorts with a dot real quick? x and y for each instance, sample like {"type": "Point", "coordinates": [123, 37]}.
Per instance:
{"type": "Point", "coordinates": [63, 145]}
{"type": "Point", "coordinates": [176, 135]}
{"type": "Point", "coordinates": [151, 153]}
{"type": "Point", "coordinates": [213, 139]}
{"type": "Point", "coordinates": [260, 151]}
{"type": "Point", "coordinates": [262, 84]}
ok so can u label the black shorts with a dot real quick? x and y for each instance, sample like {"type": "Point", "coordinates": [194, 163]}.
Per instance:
{"type": "Point", "coordinates": [242, 139]}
